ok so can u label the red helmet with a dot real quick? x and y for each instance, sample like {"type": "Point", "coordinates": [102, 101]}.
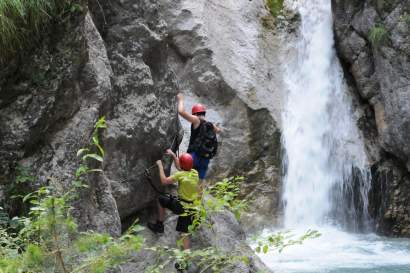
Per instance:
{"type": "Point", "coordinates": [198, 108]}
{"type": "Point", "coordinates": [186, 162]}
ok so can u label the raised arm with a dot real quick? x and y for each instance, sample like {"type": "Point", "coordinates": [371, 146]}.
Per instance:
{"type": "Point", "coordinates": [217, 130]}
{"type": "Point", "coordinates": [164, 180]}
{"type": "Point", "coordinates": [174, 157]}
{"type": "Point", "coordinates": [181, 110]}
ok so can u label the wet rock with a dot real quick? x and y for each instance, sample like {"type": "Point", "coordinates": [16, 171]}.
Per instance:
{"type": "Point", "coordinates": [372, 42]}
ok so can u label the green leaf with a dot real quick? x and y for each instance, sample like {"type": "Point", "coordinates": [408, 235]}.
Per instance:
{"type": "Point", "coordinates": [93, 156]}
{"type": "Point", "coordinates": [265, 249]}
{"type": "Point", "coordinates": [81, 170]}
{"type": "Point", "coordinates": [258, 249]}
{"type": "Point", "coordinates": [81, 151]}
{"type": "Point", "coordinates": [28, 196]}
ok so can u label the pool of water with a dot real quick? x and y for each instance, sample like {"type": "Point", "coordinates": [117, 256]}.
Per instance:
{"type": "Point", "coordinates": [336, 251]}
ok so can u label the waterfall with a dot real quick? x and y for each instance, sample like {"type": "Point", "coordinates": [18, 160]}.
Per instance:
{"type": "Point", "coordinates": [326, 175]}
{"type": "Point", "coordinates": [327, 178]}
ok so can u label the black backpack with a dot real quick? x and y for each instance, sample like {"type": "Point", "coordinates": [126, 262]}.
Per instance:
{"type": "Point", "coordinates": [206, 144]}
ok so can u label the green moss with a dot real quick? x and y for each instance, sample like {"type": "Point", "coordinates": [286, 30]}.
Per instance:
{"type": "Point", "coordinates": [275, 6]}
{"type": "Point", "coordinates": [378, 35]}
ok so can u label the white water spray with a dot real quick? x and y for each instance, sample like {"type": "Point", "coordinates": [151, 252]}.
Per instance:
{"type": "Point", "coordinates": [320, 137]}
{"type": "Point", "coordinates": [326, 182]}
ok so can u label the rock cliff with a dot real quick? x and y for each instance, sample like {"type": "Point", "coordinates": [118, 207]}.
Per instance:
{"type": "Point", "coordinates": [127, 60]}
{"type": "Point", "coordinates": [372, 39]}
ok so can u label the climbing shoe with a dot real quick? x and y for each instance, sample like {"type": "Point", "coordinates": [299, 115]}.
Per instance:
{"type": "Point", "coordinates": [180, 266]}
{"type": "Point", "coordinates": [158, 227]}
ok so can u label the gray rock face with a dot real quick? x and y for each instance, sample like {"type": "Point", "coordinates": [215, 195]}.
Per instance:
{"type": "Point", "coordinates": [178, 39]}
{"type": "Point", "coordinates": [372, 38]}
{"type": "Point", "coordinates": [123, 59]}
{"type": "Point", "coordinates": [225, 234]}
{"type": "Point", "coordinates": [44, 124]}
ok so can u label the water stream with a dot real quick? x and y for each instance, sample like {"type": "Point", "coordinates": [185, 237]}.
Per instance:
{"type": "Point", "coordinates": [327, 178]}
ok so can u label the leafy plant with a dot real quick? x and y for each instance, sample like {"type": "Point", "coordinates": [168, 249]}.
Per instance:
{"type": "Point", "coordinates": [204, 259]}
{"type": "Point", "coordinates": [378, 35]}
{"type": "Point", "coordinates": [50, 241]}
{"type": "Point", "coordinates": [281, 240]}
{"type": "Point", "coordinates": [275, 6]}
{"type": "Point", "coordinates": [222, 195]}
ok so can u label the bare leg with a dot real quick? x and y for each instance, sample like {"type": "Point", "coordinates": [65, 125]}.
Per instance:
{"type": "Point", "coordinates": [186, 241]}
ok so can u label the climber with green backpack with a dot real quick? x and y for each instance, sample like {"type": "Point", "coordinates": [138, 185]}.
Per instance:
{"type": "Point", "coordinates": [203, 143]}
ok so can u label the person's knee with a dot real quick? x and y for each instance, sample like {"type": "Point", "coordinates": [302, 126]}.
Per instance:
{"type": "Point", "coordinates": [164, 201]}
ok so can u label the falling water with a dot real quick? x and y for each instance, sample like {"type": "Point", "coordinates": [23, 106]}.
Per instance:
{"type": "Point", "coordinates": [324, 150]}
{"type": "Point", "coordinates": [326, 175]}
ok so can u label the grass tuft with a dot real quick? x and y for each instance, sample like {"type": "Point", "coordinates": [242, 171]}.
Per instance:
{"type": "Point", "coordinates": [378, 35]}
{"type": "Point", "coordinates": [22, 20]}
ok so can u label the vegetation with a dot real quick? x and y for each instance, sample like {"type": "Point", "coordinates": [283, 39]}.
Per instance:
{"type": "Point", "coordinates": [22, 20]}
{"type": "Point", "coordinates": [222, 195]}
{"type": "Point", "coordinates": [205, 259]}
{"type": "Point", "coordinates": [48, 239]}
{"type": "Point", "coordinates": [407, 19]}
{"type": "Point", "coordinates": [281, 240]}
{"type": "Point", "coordinates": [378, 35]}
{"type": "Point", "coordinates": [275, 6]}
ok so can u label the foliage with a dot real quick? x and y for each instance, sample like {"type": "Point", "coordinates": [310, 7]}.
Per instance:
{"type": "Point", "coordinates": [406, 19]}
{"type": "Point", "coordinates": [50, 241]}
{"type": "Point", "coordinates": [16, 189]}
{"type": "Point", "coordinates": [281, 240]}
{"type": "Point", "coordinates": [275, 6]}
{"type": "Point", "coordinates": [222, 195]}
{"type": "Point", "coordinates": [226, 192]}
{"type": "Point", "coordinates": [204, 259]}
{"type": "Point", "coordinates": [22, 20]}
{"type": "Point", "coordinates": [378, 35]}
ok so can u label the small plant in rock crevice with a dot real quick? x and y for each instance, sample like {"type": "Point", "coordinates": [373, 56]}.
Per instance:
{"type": "Point", "coordinates": [378, 35]}
{"type": "Point", "coordinates": [406, 19]}
{"type": "Point", "coordinates": [275, 6]}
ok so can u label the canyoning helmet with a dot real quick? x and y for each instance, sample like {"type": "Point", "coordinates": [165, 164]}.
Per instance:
{"type": "Point", "coordinates": [186, 162]}
{"type": "Point", "coordinates": [198, 109]}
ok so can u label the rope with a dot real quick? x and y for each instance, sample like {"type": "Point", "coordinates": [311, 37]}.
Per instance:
{"type": "Point", "coordinates": [177, 83]}
{"type": "Point", "coordinates": [149, 178]}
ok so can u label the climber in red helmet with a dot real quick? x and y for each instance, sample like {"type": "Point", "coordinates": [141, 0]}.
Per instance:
{"type": "Point", "coordinates": [203, 143]}
{"type": "Point", "coordinates": [188, 191]}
